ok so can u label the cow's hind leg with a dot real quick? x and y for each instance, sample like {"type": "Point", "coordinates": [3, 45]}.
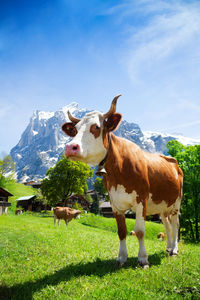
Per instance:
{"type": "Point", "coordinates": [175, 226]}
{"type": "Point", "coordinates": [140, 231]}
{"type": "Point", "coordinates": [54, 220]}
{"type": "Point", "coordinates": [167, 225]}
{"type": "Point", "coordinates": [122, 231]}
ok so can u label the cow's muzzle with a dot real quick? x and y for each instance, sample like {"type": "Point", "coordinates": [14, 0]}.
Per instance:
{"type": "Point", "coordinates": [72, 150]}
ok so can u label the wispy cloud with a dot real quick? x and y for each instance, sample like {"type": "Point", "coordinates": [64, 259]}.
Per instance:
{"type": "Point", "coordinates": [185, 125]}
{"type": "Point", "coordinates": [165, 42]}
{"type": "Point", "coordinates": [4, 110]}
{"type": "Point", "coordinates": [189, 106]}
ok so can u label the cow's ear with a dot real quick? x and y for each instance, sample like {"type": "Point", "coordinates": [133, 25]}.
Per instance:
{"type": "Point", "coordinates": [112, 123]}
{"type": "Point", "coordinates": [69, 129]}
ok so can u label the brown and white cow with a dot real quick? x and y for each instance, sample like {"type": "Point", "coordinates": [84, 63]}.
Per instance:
{"type": "Point", "coordinates": [144, 182]}
{"type": "Point", "coordinates": [65, 213]}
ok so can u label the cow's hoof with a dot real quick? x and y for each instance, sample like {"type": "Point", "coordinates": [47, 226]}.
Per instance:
{"type": "Point", "coordinates": [168, 250]}
{"type": "Point", "coordinates": [120, 264]}
{"type": "Point", "coordinates": [121, 261]}
{"type": "Point", "coordinates": [145, 267]}
{"type": "Point", "coordinates": [173, 253]}
{"type": "Point", "coordinates": [143, 263]}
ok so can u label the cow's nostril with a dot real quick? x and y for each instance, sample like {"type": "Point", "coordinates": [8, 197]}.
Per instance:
{"type": "Point", "coordinates": [75, 148]}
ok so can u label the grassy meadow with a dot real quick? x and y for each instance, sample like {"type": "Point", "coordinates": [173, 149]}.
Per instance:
{"type": "Point", "coordinates": [40, 261]}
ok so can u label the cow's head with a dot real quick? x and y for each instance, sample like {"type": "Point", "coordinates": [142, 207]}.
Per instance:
{"type": "Point", "coordinates": [90, 134]}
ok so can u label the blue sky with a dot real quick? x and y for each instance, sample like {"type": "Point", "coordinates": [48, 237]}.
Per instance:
{"type": "Point", "coordinates": [56, 52]}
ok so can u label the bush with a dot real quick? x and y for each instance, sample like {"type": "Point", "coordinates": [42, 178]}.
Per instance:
{"type": "Point", "coordinates": [12, 208]}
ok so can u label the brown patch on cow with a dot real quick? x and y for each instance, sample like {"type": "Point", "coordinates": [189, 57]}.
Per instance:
{"type": "Point", "coordinates": [105, 138]}
{"type": "Point", "coordinates": [139, 234]}
{"type": "Point", "coordinates": [126, 166]}
{"type": "Point", "coordinates": [95, 130]}
{"type": "Point", "coordinates": [142, 172]}
{"type": "Point", "coordinates": [174, 212]}
{"type": "Point", "coordinates": [121, 224]}
{"type": "Point", "coordinates": [70, 129]}
{"type": "Point", "coordinates": [164, 184]}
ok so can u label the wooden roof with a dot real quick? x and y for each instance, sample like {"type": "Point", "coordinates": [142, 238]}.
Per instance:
{"type": "Point", "coordinates": [105, 204]}
{"type": "Point", "coordinates": [26, 198]}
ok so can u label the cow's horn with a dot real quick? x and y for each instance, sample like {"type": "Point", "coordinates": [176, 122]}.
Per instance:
{"type": "Point", "coordinates": [73, 119]}
{"type": "Point", "coordinates": [112, 107]}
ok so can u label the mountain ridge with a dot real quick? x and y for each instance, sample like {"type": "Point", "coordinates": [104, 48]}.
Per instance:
{"type": "Point", "coordinates": [42, 142]}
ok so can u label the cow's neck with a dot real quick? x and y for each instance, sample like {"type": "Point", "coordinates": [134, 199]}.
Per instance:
{"type": "Point", "coordinates": [113, 153]}
{"type": "Point", "coordinates": [101, 170]}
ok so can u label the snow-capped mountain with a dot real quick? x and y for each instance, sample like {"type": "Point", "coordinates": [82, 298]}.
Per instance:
{"type": "Point", "coordinates": [43, 142]}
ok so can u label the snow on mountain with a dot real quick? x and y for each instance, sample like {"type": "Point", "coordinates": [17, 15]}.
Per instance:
{"type": "Point", "coordinates": [150, 135]}
{"type": "Point", "coordinates": [43, 142]}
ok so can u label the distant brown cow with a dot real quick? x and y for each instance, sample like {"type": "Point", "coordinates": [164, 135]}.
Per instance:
{"type": "Point", "coordinates": [65, 213]}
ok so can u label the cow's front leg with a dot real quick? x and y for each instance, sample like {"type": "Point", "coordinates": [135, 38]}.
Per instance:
{"type": "Point", "coordinates": [121, 224]}
{"type": "Point", "coordinates": [140, 231]}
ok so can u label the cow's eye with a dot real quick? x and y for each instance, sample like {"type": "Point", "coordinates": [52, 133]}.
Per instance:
{"type": "Point", "coordinates": [97, 127]}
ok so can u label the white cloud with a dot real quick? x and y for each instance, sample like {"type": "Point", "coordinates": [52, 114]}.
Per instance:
{"type": "Point", "coordinates": [4, 110]}
{"type": "Point", "coordinates": [185, 125]}
{"type": "Point", "coordinates": [189, 106]}
{"type": "Point", "coordinates": [168, 40]}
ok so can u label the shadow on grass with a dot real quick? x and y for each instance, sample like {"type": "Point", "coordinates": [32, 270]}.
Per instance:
{"type": "Point", "coordinates": [99, 268]}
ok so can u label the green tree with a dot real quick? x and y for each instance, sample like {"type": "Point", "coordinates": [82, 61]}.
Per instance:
{"type": "Point", "coordinates": [99, 186]}
{"type": "Point", "coordinates": [94, 208]}
{"type": "Point", "coordinates": [7, 170]}
{"type": "Point", "coordinates": [64, 179]}
{"type": "Point", "coordinates": [7, 165]}
{"type": "Point", "coordinates": [188, 158]}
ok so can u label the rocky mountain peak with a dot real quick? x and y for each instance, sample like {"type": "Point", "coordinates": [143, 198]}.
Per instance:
{"type": "Point", "coordinates": [42, 143]}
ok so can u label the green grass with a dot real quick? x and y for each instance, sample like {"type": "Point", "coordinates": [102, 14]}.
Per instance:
{"type": "Point", "coordinates": [152, 229]}
{"type": "Point", "coordinates": [38, 261]}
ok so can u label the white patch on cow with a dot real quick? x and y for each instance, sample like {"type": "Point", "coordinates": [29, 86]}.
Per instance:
{"type": "Point", "coordinates": [92, 149]}
{"type": "Point", "coordinates": [162, 207]}
{"type": "Point", "coordinates": [122, 257]}
{"type": "Point", "coordinates": [121, 200]}
{"type": "Point", "coordinates": [139, 224]}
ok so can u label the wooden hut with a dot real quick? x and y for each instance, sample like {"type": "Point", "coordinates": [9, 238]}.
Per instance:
{"type": "Point", "coordinates": [30, 203]}
{"type": "Point", "coordinates": [27, 202]}
{"type": "Point", "coordinates": [33, 184]}
{"type": "Point", "coordinates": [106, 209]}
{"type": "Point", "coordinates": [79, 199]}
{"type": "Point", "coordinates": [4, 204]}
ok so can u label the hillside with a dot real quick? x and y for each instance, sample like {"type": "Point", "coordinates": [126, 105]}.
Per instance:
{"type": "Point", "coordinates": [18, 190]}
